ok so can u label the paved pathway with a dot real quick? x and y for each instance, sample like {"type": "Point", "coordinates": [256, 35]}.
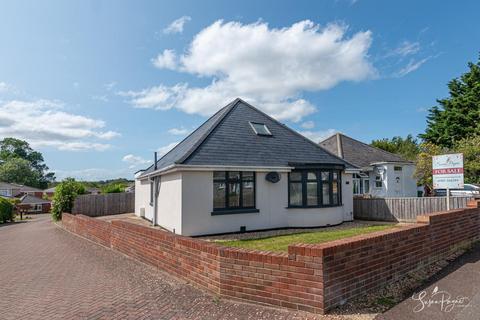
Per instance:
{"type": "Point", "coordinates": [460, 279]}
{"type": "Point", "coordinates": [48, 273]}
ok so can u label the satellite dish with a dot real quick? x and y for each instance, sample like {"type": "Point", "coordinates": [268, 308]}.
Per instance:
{"type": "Point", "coordinates": [380, 170]}
{"type": "Point", "coordinates": [272, 177]}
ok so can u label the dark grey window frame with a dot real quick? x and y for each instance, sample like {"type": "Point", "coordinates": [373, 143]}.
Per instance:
{"type": "Point", "coordinates": [227, 209]}
{"type": "Point", "coordinates": [320, 184]}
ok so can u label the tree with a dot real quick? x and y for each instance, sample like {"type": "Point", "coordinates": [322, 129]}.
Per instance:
{"type": "Point", "coordinates": [19, 171]}
{"type": "Point", "coordinates": [65, 194]}
{"type": "Point", "coordinates": [423, 171]}
{"type": "Point", "coordinates": [408, 148]}
{"type": "Point", "coordinates": [470, 147]}
{"type": "Point", "coordinates": [27, 164]}
{"type": "Point", "coordinates": [458, 116]}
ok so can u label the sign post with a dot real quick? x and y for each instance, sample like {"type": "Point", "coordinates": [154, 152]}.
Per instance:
{"type": "Point", "coordinates": [448, 173]}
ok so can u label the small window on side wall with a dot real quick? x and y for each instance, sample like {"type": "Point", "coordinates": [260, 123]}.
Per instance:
{"type": "Point", "coordinates": [397, 168]}
{"type": "Point", "coordinates": [378, 181]}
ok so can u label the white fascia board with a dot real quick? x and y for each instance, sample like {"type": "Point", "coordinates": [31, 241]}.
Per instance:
{"type": "Point", "coordinates": [182, 167]}
{"type": "Point", "coordinates": [392, 162]}
{"type": "Point", "coordinates": [352, 170]}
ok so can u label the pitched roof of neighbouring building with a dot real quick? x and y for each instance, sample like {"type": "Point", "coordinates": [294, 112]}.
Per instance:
{"type": "Point", "coordinates": [5, 185]}
{"type": "Point", "coordinates": [227, 139]}
{"type": "Point", "coordinates": [356, 152]}
{"type": "Point", "coordinates": [28, 199]}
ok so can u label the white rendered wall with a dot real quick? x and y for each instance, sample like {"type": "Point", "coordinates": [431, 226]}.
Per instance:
{"type": "Point", "coordinates": [169, 212]}
{"type": "Point", "coordinates": [271, 200]}
{"type": "Point", "coordinates": [142, 198]}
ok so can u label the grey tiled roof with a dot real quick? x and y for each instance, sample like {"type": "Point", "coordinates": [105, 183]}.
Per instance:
{"type": "Point", "coordinates": [227, 139]}
{"type": "Point", "coordinates": [358, 153]}
{"type": "Point", "coordinates": [28, 199]}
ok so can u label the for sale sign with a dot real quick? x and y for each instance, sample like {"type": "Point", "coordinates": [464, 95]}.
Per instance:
{"type": "Point", "coordinates": [448, 171]}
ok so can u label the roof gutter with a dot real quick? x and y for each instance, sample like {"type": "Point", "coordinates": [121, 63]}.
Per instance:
{"type": "Point", "coordinates": [183, 167]}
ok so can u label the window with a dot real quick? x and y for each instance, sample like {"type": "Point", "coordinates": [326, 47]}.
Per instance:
{"type": "Point", "coordinates": [151, 193]}
{"type": "Point", "coordinates": [233, 190]}
{"type": "Point", "coordinates": [366, 185]}
{"type": "Point", "coordinates": [397, 168]}
{"type": "Point", "coordinates": [378, 181]}
{"type": "Point", "coordinates": [314, 188]}
{"type": "Point", "coordinates": [260, 129]}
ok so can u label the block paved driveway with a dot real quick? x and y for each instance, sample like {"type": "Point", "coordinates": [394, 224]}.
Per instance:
{"type": "Point", "coordinates": [460, 279]}
{"type": "Point", "coordinates": [48, 273]}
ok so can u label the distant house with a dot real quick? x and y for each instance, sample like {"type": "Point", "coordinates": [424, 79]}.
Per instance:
{"type": "Point", "coordinates": [18, 190]}
{"type": "Point", "coordinates": [130, 188]}
{"type": "Point", "coordinates": [93, 191]}
{"type": "Point", "coordinates": [243, 170]}
{"type": "Point", "coordinates": [50, 192]}
{"type": "Point", "coordinates": [383, 174]}
{"type": "Point", "coordinates": [32, 204]}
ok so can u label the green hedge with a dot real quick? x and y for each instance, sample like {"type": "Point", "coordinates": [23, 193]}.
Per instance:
{"type": "Point", "coordinates": [6, 211]}
{"type": "Point", "coordinates": [65, 194]}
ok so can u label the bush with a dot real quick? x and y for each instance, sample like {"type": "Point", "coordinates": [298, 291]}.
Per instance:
{"type": "Point", "coordinates": [6, 211]}
{"type": "Point", "coordinates": [65, 194]}
{"type": "Point", "coordinates": [113, 188]}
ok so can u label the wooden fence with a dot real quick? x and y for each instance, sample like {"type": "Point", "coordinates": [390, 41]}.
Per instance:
{"type": "Point", "coordinates": [104, 204]}
{"type": "Point", "coordinates": [403, 209]}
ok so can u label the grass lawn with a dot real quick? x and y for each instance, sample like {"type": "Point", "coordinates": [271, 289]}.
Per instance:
{"type": "Point", "coordinates": [281, 243]}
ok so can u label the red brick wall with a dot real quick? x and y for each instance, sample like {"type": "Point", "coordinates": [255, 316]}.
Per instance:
{"type": "Point", "coordinates": [314, 278]}
{"type": "Point", "coordinates": [93, 229]}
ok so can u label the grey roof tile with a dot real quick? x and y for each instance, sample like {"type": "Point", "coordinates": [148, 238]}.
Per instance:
{"type": "Point", "coordinates": [227, 139]}
{"type": "Point", "coordinates": [358, 153]}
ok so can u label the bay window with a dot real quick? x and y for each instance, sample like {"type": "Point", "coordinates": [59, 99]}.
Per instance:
{"type": "Point", "coordinates": [314, 188]}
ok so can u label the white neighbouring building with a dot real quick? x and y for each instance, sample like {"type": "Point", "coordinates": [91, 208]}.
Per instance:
{"type": "Point", "coordinates": [383, 174]}
{"type": "Point", "coordinates": [243, 170]}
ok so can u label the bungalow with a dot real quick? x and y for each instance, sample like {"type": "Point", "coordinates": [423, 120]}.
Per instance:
{"type": "Point", "coordinates": [32, 204]}
{"type": "Point", "coordinates": [243, 170]}
{"type": "Point", "coordinates": [17, 190]}
{"type": "Point", "coordinates": [383, 174]}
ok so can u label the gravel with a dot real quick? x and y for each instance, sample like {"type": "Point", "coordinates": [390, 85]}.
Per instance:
{"type": "Point", "coordinates": [281, 232]}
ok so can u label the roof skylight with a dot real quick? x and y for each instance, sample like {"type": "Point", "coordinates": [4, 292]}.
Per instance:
{"type": "Point", "coordinates": [260, 129]}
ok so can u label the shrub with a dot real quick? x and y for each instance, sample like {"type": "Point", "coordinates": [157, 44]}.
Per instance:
{"type": "Point", "coordinates": [113, 188]}
{"type": "Point", "coordinates": [65, 194]}
{"type": "Point", "coordinates": [6, 210]}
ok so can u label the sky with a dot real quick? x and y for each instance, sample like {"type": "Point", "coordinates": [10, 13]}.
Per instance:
{"type": "Point", "coordinates": [98, 86]}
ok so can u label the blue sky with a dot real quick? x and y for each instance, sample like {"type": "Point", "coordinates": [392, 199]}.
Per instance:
{"type": "Point", "coordinates": [98, 86]}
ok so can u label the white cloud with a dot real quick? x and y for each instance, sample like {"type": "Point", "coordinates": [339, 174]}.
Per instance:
{"type": "Point", "coordinates": [268, 67]}
{"type": "Point", "coordinates": [135, 161]}
{"type": "Point", "coordinates": [4, 87]}
{"type": "Point", "coordinates": [317, 136]}
{"type": "Point", "coordinates": [177, 25]}
{"type": "Point", "coordinates": [406, 48]}
{"type": "Point", "coordinates": [165, 60]}
{"type": "Point", "coordinates": [163, 150]}
{"type": "Point", "coordinates": [45, 123]}
{"type": "Point", "coordinates": [308, 125]}
{"type": "Point", "coordinates": [179, 131]}
{"type": "Point", "coordinates": [159, 98]}
{"type": "Point", "coordinates": [411, 66]}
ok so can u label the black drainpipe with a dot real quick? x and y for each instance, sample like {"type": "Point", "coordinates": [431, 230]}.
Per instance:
{"type": "Point", "coordinates": [155, 191]}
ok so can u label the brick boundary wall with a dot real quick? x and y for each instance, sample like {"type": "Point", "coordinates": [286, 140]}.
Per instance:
{"type": "Point", "coordinates": [313, 277]}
